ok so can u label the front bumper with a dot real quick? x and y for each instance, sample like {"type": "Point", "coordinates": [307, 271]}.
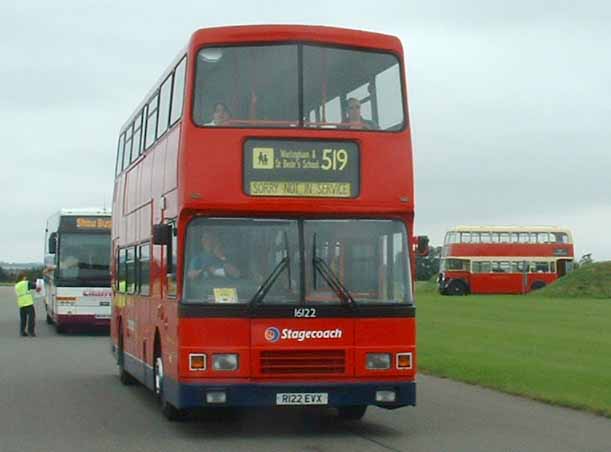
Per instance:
{"type": "Point", "coordinates": [82, 320]}
{"type": "Point", "coordinates": [193, 395]}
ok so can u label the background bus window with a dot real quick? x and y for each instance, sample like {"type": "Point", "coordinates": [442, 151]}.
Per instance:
{"type": "Point", "coordinates": [519, 267]}
{"type": "Point", "coordinates": [541, 267]}
{"type": "Point", "coordinates": [457, 264]}
{"type": "Point", "coordinates": [485, 237]}
{"type": "Point", "coordinates": [542, 237]}
{"type": "Point", "coordinates": [84, 257]}
{"type": "Point", "coordinates": [465, 237]}
{"type": "Point", "coordinates": [481, 267]}
{"type": "Point", "coordinates": [453, 237]}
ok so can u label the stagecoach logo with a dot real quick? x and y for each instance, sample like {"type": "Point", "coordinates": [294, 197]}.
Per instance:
{"type": "Point", "coordinates": [273, 334]}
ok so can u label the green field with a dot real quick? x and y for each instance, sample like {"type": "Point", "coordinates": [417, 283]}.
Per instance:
{"type": "Point", "coordinates": [553, 349]}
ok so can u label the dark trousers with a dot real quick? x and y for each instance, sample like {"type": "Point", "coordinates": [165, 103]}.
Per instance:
{"type": "Point", "coordinates": [28, 314]}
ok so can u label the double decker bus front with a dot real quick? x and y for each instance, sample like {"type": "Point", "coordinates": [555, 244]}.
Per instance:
{"type": "Point", "coordinates": [295, 224]}
{"type": "Point", "coordinates": [297, 311]}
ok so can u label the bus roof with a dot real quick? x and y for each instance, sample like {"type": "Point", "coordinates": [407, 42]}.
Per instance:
{"type": "Point", "coordinates": [490, 228]}
{"type": "Point", "coordinates": [91, 211]}
{"type": "Point", "coordinates": [251, 34]}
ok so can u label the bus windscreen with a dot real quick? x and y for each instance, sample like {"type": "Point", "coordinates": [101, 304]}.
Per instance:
{"type": "Point", "coordinates": [84, 258]}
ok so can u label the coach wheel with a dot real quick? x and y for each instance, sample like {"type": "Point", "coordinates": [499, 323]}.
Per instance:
{"type": "Point", "coordinates": [49, 319]}
{"type": "Point", "coordinates": [352, 413]}
{"type": "Point", "coordinates": [125, 377]}
{"type": "Point", "coordinates": [169, 411]}
{"type": "Point", "coordinates": [457, 288]}
{"type": "Point", "coordinates": [59, 329]}
{"type": "Point", "coordinates": [537, 285]}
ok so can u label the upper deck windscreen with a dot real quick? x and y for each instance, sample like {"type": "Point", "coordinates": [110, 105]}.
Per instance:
{"type": "Point", "coordinates": [298, 85]}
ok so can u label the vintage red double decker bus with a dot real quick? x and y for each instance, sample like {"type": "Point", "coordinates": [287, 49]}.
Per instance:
{"type": "Point", "coordinates": [503, 259]}
{"type": "Point", "coordinates": [263, 224]}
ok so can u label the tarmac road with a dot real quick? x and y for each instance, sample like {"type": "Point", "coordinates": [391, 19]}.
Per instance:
{"type": "Point", "coordinates": [61, 393]}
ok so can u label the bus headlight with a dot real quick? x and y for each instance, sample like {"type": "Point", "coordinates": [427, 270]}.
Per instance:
{"type": "Point", "coordinates": [378, 361]}
{"type": "Point", "coordinates": [225, 361]}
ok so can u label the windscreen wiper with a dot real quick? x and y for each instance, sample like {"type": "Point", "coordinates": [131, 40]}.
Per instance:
{"type": "Point", "coordinates": [269, 282]}
{"type": "Point", "coordinates": [331, 278]}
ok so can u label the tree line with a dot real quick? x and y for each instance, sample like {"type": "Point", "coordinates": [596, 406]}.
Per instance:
{"type": "Point", "coordinates": [10, 275]}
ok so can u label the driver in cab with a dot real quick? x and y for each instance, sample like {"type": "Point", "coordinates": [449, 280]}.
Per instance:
{"type": "Point", "coordinates": [211, 260]}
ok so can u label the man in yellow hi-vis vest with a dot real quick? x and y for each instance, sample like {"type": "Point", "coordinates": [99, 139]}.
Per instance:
{"type": "Point", "coordinates": [25, 301]}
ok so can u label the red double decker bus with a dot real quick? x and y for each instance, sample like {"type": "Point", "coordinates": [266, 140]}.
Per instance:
{"type": "Point", "coordinates": [262, 224]}
{"type": "Point", "coordinates": [503, 259]}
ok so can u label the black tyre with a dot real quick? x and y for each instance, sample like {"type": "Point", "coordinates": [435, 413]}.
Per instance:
{"type": "Point", "coordinates": [59, 329]}
{"type": "Point", "coordinates": [537, 285]}
{"type": "Point", "coordinates": [49, 319]}
{"type": "Point", "coordinates": [352, 413]}
{"type": "Point", "coordinates": [169, 411]}
{"type": "Point", "coordinates": [125, 377]}
{"type": "Point", "coordinates": [457, 288]}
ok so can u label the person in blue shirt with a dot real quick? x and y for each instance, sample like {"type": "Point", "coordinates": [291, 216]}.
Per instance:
{"type": "Point", "coordinates": [211, 260]}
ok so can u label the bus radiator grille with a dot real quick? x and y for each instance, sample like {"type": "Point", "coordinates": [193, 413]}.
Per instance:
{"type": "Point", "coordinates": [281, 362]}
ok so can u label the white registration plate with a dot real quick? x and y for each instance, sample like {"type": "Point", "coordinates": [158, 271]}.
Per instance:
{"type": "Point", "coordinates": [302, 398]}
{"type": "Point", "coordinates": [102, 316]}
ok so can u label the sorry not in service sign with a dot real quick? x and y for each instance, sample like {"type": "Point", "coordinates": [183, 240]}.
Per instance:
{"type": "Point", "coordinates": [298, 168]}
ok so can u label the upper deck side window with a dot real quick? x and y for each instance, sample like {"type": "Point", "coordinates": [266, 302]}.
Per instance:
{"type": "Point", "coordinates": [291, 85]}
{"type": "Point", "coordinates": [161, 112]}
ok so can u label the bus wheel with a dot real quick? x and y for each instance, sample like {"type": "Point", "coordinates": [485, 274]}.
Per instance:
{"type": "Point", "coordinates": [352, 413]}
{"type": "Point", "coordinates": [49, 319]}
{"type": "Point", "coordinates": [457, 288]}
{"type": "Point", "coordinates": [537, 285]}
{"type": "Point", "coordinates": [59, 329]}
{"type": "Point", "coordinates": [169, 411]}
{"type": "Point", "coordinates": [125, 377]}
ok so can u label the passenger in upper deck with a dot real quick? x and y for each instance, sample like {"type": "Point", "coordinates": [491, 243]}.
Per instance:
{"type": "Point", "coordinates": [220, 115]}
{"type": "Point", "coordinates": [354, 119]}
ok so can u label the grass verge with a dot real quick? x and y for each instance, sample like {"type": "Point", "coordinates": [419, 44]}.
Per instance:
{"type": "Point", "coordinates": [553, 350]}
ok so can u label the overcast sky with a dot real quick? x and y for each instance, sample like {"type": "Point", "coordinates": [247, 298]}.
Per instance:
{"type": "Point", "coordinates": [510, 103]}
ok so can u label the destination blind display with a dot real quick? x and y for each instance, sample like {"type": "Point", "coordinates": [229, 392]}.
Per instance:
{"type": "Point", "coordinates": [292, 168]}
{"type": "Point", "coordinates": [70, 223]}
